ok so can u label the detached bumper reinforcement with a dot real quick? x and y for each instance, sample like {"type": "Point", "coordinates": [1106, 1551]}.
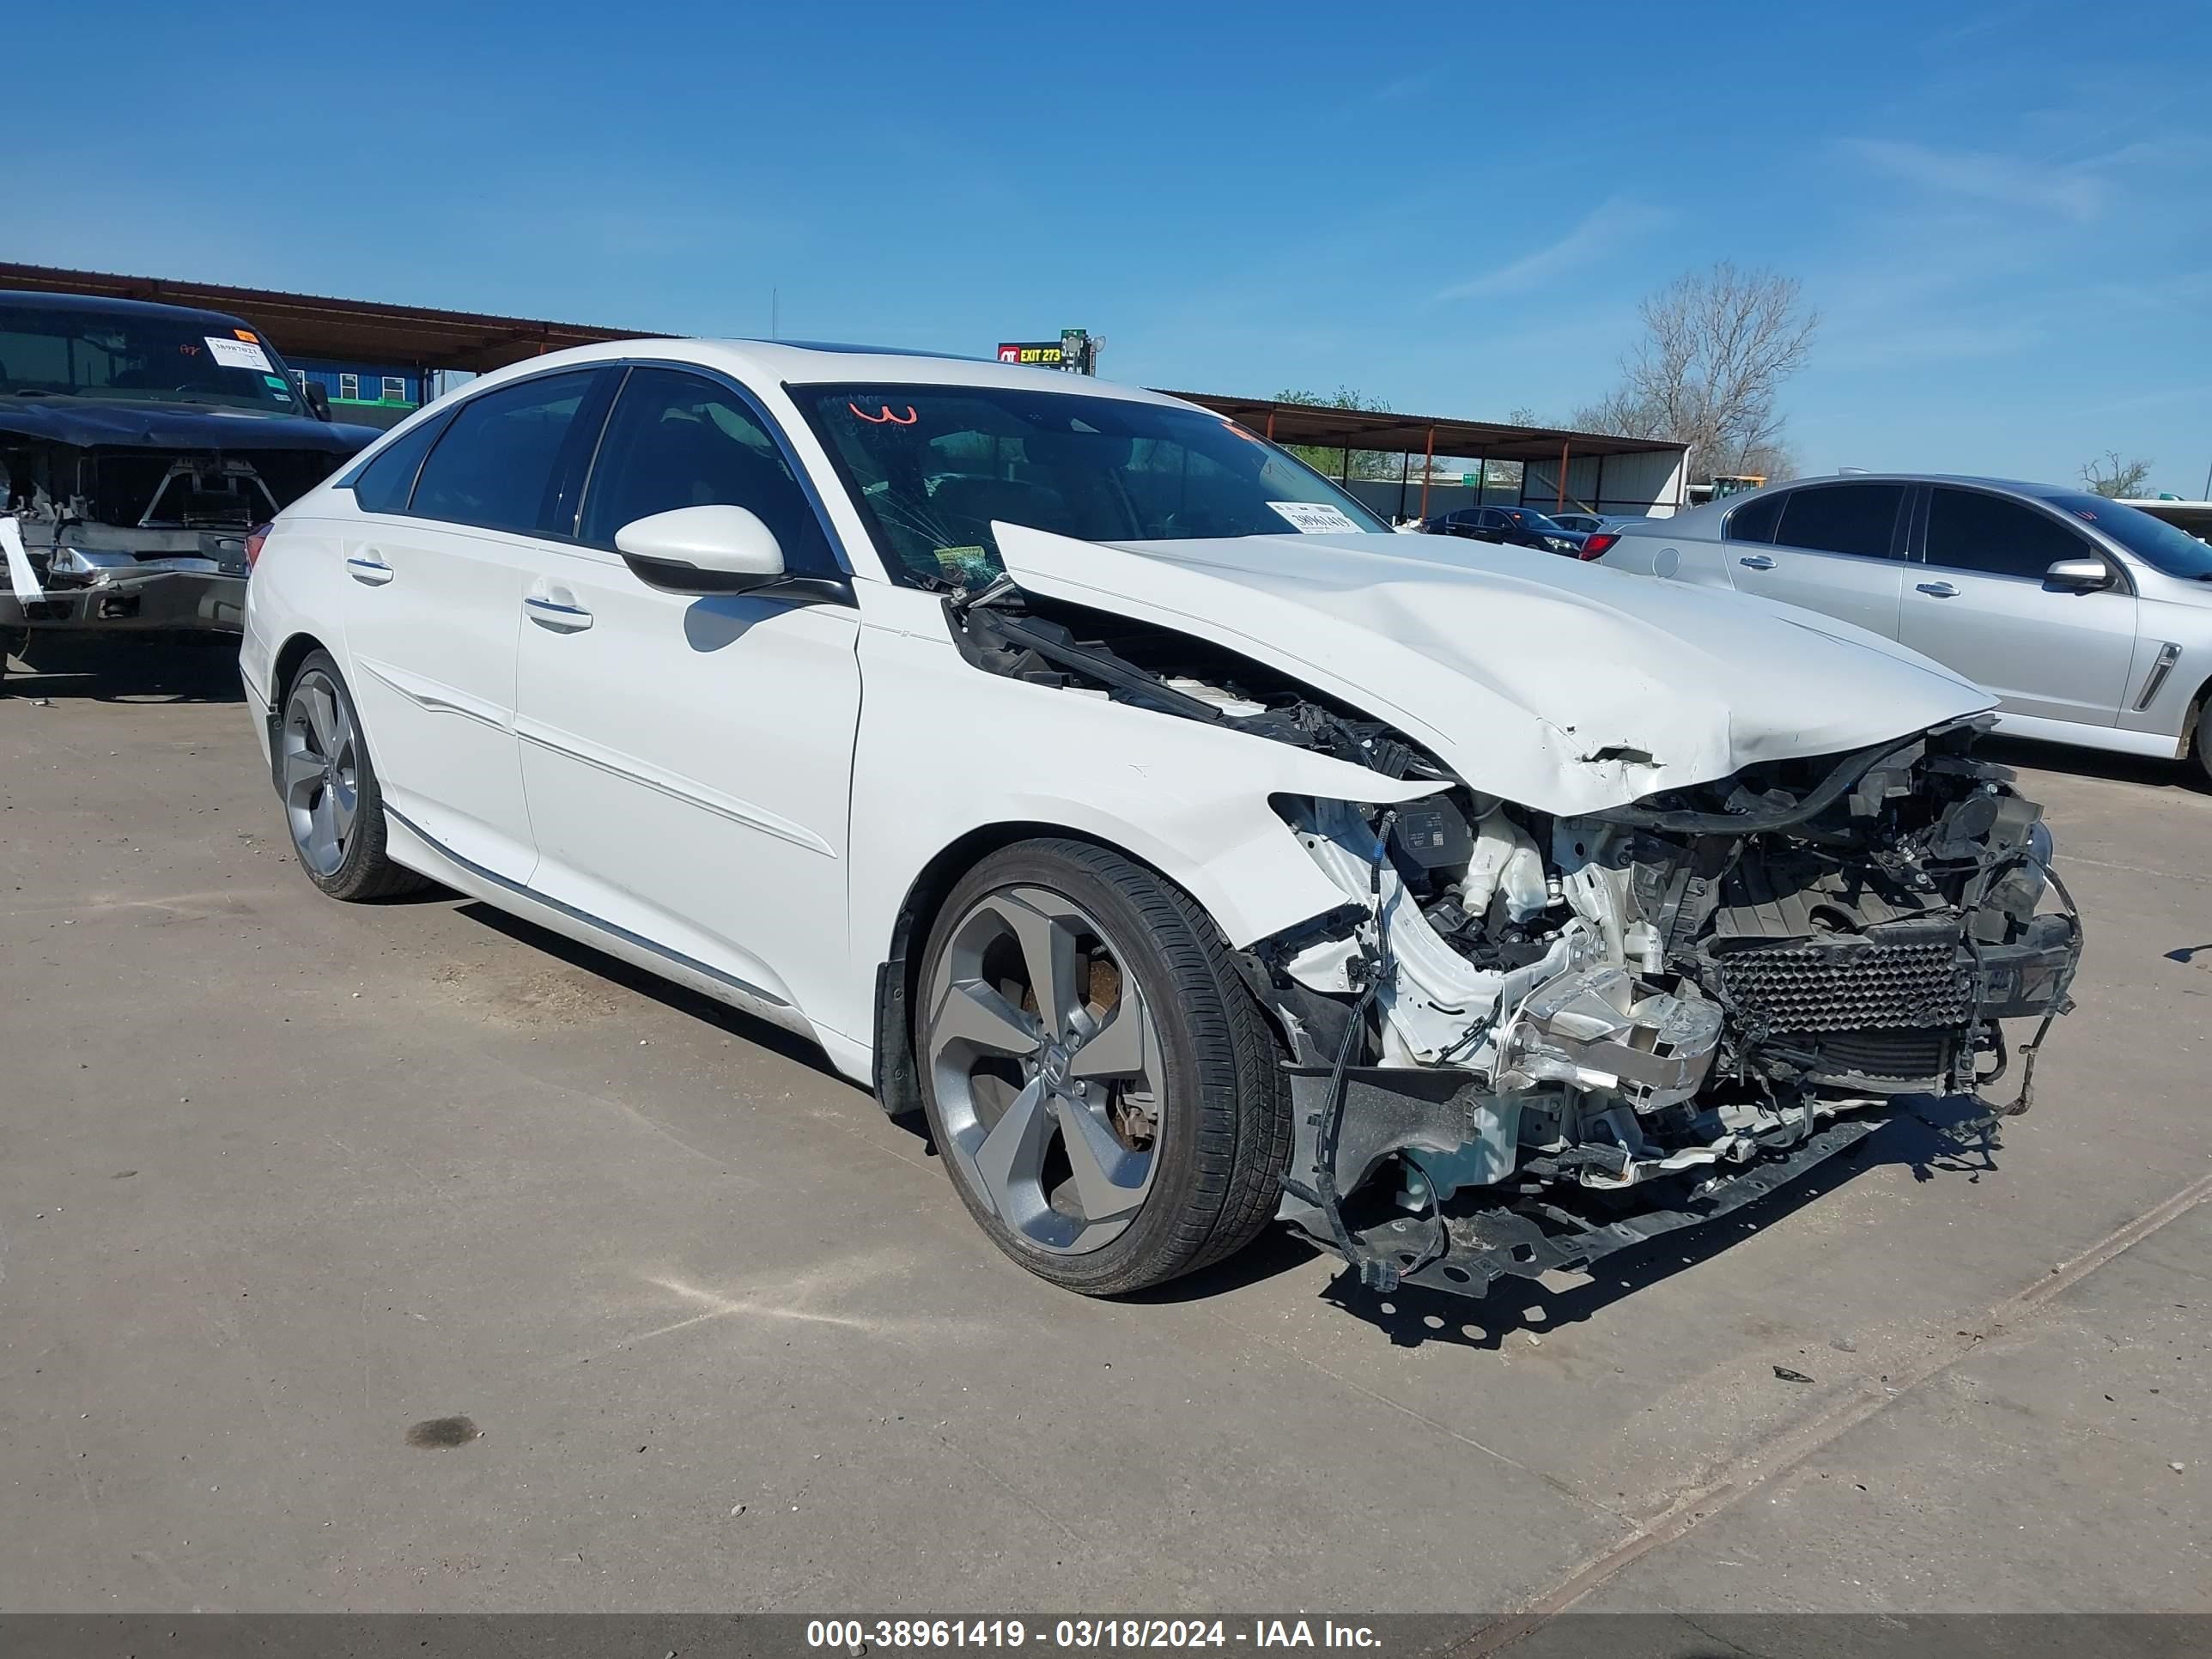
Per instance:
{"type": "Point", "coordinates": [1533, 1240]}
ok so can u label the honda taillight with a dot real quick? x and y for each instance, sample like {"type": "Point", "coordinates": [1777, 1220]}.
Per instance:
{"type": "Point", "coordinates": [1597, 545]}
{"type": "Point", "coordinates": [254, 537]}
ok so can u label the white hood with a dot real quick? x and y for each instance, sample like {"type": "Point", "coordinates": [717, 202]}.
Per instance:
{"type": "Point", "coordinates": [1536, 677]}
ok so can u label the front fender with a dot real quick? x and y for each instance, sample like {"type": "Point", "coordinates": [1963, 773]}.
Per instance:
{"type": "Point", "coordinates": [946, 749]}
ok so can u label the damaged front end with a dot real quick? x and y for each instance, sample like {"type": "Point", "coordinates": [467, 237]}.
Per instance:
{"type": "Point", "coordinates": [118, 537]}
{"type": "Point", "coordinates": [1637, 1019]}
{"type": "Point", "coordinates": [1579, 1030]}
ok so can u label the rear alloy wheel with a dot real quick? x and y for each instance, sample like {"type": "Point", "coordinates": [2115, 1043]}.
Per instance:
{"type": "Point", "coordinates": [331, 804]}
{"type": "Point", "coordinates": [1099, 1081]}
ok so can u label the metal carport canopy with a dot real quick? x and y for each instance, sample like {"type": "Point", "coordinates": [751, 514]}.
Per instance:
{"type": "Point", "coordinates": [1327, 428]}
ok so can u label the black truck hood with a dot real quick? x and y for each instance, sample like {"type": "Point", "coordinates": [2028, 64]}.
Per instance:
{"type": "Point", "coordinates": [89, 423]}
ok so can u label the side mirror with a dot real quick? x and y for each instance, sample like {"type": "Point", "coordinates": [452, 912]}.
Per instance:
{"type": "Point", "coordinates": [318, 400]}
{"type": "Point", "coordinates": [2079, 575]}
{"type": "Point", "coordinates": [702, 550]}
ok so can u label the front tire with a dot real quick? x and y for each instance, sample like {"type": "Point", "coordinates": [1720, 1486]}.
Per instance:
{"type": "Point", "coordinates": [331, 803]}
{"type": "Point", "coordinates": [1100, 1082]}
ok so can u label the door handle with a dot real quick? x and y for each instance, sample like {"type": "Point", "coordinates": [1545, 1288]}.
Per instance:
{"type": "Point", "coordinates": [369, 570]}
{"type": "Point", "coordinates": [1757, 561]}
{"type": "Point", "coordinates": [553, 614]}
{"type": "Point", "coordinates": [1937, 590]}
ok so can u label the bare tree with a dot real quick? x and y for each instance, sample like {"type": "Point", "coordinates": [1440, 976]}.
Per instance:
{"type": "Point", "coordinates": [1717, 345]}
{"type": "Point", "coordinates": [2115, 478]}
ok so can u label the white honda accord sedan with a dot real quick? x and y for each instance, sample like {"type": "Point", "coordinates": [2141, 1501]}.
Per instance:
{"type": "Point", "coordinates": [1084, 772]}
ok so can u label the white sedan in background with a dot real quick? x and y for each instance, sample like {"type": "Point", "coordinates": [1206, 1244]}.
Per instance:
{"type": "Point", "coordinates": [1083, 771]}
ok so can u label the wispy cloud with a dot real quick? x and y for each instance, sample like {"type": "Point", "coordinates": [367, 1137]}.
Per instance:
{"type": "Point", "coordinates": [2076, 191]}
{"type": "Point", "coordinates": [2004, 17]}
{"type": "Point", "coordinates": [1947, 340]}
{"type": "Point", "coordinates": [1407, 85]}
{"type": "Point", "coordinates": [1611, 223]}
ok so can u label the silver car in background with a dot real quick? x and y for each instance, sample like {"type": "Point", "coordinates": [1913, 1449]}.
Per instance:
{"type": "Point", "coordinates": [2089, 620]}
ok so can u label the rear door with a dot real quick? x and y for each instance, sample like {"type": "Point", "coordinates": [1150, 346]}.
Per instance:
{"type": "Point", "coordinates": [1978, 603]}
{"type": "Point", "coordinates": [434, 608]}
{"type": "Point", "coordinates": [1838, 548]}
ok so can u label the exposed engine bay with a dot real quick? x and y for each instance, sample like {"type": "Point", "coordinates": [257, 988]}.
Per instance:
{"type": "Point", "coordinates": [1589, 1029]}
{"type": "Point", "coordinates": [143, 537]}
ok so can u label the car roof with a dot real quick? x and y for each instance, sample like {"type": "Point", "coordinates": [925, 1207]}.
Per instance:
{"type": "Point", "coordinates": [794, 363]}
{"type": "Point", "coordinates": [2018, 486]}
{"type": "Point", "coordinates": [101, 305]}
{"type": "Point", "coordinates": [1705, 517]}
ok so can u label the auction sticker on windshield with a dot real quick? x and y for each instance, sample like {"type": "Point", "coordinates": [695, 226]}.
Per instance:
{"type": "Point", "coordinates": [239, 353]}
{"type": "Point", "coordinates": [1314, 518]}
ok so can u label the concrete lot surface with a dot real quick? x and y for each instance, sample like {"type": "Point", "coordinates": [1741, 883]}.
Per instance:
{"type": "Point", "coordinates": [282, 1179]}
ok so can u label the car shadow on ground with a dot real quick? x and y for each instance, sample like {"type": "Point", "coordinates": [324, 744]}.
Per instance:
{"type": "Point", "coordinates": [1927, 1134]}
{"type": "Point", "coordinates": [2175, 777]}
{"type": "Point", "coordinates": [126, 669]}
{"type": "Point", "coordinates": [733, 1021]}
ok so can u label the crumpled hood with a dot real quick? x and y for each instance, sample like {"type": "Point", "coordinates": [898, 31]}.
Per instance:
{"type": "Point", "coordinates": [1562, 686]}
{"type": "Point", "coordinates": [87, 421]}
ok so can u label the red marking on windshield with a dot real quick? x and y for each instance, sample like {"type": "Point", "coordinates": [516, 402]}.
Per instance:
{"type": "Point", "coordinates": [908, 419]}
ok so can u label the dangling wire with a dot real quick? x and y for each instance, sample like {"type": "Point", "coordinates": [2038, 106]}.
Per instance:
{"type": "Point", "coordinates": [2032, 1050]}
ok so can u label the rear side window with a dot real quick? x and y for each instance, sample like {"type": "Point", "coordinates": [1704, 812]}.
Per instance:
{"type": "Point", "coordinates": [497, 465]}
{"type": "Point", "coordinates": [1969, 530]}
{"type": "Point", "coordinates": [387, 482]}
{"type": "Point", "coordinates": [678, 439]}
{"type": "Point", "coordinates": [1755, 519]}
{"type": "Point", "coordinates": [1856, 518]}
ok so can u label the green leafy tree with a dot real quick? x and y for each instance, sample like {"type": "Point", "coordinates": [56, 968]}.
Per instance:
{"type": "Point", "coordinates": [1365, 463]}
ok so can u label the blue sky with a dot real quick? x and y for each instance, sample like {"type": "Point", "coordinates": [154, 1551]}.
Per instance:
{"type": "Point", "coordinates": [2003, 211]}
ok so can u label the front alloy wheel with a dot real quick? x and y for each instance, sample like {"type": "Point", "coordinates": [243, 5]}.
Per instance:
{"type": "Point", "coordinates": [1046, 1062]}
{"type": "Point", "coordinates": [1101, 1083]}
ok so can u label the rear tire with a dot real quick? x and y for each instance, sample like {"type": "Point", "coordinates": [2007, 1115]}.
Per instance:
{"type": "Point", "coordinates": [331, 803]}
{"type": "Point", "coordinates": [1139, 1133]}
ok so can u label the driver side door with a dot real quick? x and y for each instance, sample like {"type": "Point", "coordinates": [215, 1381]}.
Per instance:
{"type": "Point", "coordinates": [687, 760]}
{"type": "Point", "coordinates": [1978, 603]}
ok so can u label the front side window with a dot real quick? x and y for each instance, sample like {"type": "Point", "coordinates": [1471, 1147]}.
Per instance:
{"type": "Point", "coordinates": [678, 439]}
{"type": "Point", "coordinates": [497, 465]}
{"type": "Point", "coordinates": [1856, 518]}
{"type": "Point", "coordinates": [932, 467]}
{"type": "Point", "coordinates": [2165, 548]}
{"type": "Point", "coordinates": [1970, 531]}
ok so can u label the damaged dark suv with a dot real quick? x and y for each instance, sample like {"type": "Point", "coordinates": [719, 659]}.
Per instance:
{"type": "Point", "coordinates": [139, 446]}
